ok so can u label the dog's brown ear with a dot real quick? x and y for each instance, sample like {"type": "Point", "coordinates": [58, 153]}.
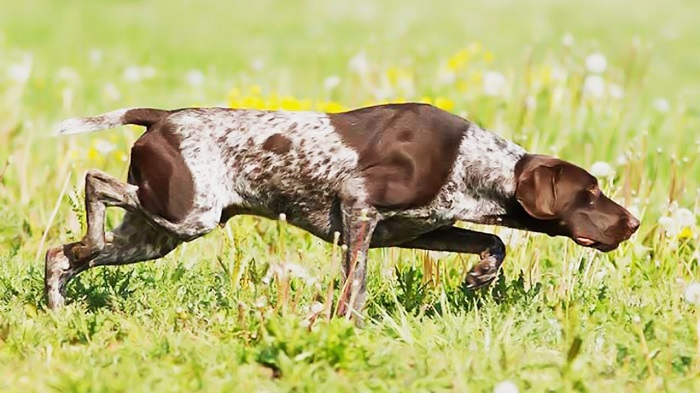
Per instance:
{"type": "Point", "coordinates": [536, 191]}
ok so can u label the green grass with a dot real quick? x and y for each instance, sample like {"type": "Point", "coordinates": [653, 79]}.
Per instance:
{"type": "Point", "coordinates": [209, 317]}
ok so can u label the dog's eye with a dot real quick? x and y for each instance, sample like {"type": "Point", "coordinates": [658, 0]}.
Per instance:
{"type": "Point", "coordinates": [595, 190]}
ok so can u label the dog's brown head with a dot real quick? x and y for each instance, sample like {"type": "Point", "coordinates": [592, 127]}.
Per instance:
{"type": "Point", "coordinates": [568, 198]}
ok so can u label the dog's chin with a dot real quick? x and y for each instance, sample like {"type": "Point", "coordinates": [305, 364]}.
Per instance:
{"type": "Point", "coordinates": [590, 243]}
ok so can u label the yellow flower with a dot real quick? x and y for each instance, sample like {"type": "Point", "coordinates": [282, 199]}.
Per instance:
{"type": "Point", "coordinates": [444, 103]}
{"type": "Point", "coordinates": [329, 107]}
{"type": "Point", "coordinates": [458, 60]}
{"type": "Point", "coordinates": [93, 154]}
{"type": "Point", "coordinates": [234, 93]}
{"type": "Point", "coordinates": [255, 90]}
{"type": "Point", "coordinates": [305, 104]}
{"type": "Point", "coordinates": [475, 47]}
{"type": "Point", "coordinates": [426, 100]}
{"type": "Point", "coordinates": [475, 77]}
{"type": "Point", "coordinates": [291, 104]}
{"type": "Point", "coordinates": [686, 233]}
{"type": "Point", "coordinates": [252, 102]}
{"type": "Point", "coordinates": [462, 86]}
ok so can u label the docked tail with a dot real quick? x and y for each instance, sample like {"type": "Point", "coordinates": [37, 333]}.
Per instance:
{"type": "Point", "coordinates": [139, 116]}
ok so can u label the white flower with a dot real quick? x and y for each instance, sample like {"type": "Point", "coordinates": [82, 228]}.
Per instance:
{"type": "Point", "coordinates": [512, 237]}
{"type": "Point", "coordinates": [112, 92]}
{"type": "Point", "coordinates": [295, 270]}
{"type": "Point", "coordinates": [19, 72]}
{"type": "Point", "coordinates": [661, 105]}
{"type": "Point", "coordinates": [260, 302]}
{"type": "Point", "coordinates": [494, 83]}
{"type": "Point", "coordinates": [104, 147]}
{"type": "Point", "coordinates": [531, 102]}
{"type": "Point", "coordinates": [634, 211]}
{"type": "Point", "coordinates": [331, 82]}
{"type": "Point", "coordinates": [567, 40]}
{"type": "Point", "coordinates": [600, 275]}
{"type": "Point", "coordinates": [558, 73]}
{"type": "Point", "coordinates": [446, 76]}
{"type": "Point", "coordinates": [148, 71]}
{"type": "Point", "coordinates": [596, 63]}
{"type": "Point", "coordinates": [506, 387]}
{"type": "Point", "coordinates": [67, 74]}
{"type": "Point", "coordinates": [317, 307]}
{"type": "Point", "coordinates": [136, 73]}
{"type": "Point", "coordinates": [257, 64]}
{"type": "Point", "coordinates": [67, 97]}
{"type": "Point", "coordinates": [359, 63]}
{"type": "Point", "coordinates": [132, 74]}
{"type": "Point", "coordinates": [594, 86]}
{"type": "Point", "coordinates": [692, 294]}
{"type": "Point", "coordinates": [194, 77]}
{"type": "Point", "coordinates": [95, 56]}
{"type": "Point", "coordinates": [616, 91]}
{"type": "Point", "coordinates": [684, 217]}
{"type": "Point", "coordinates": [679, 220]}
{"type": "Point", "coordinates": [602, 169]}
{"type": "Point", "coordinates": [621, 160]}
{"type": "Point", "coordinates": [437, 255]}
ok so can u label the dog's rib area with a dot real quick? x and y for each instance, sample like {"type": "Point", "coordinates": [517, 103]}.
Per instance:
{"type": "Point", "coordinates": [265, 163]}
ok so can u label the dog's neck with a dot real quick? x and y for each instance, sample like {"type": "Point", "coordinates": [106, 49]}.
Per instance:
{"type": "Point", "coordinates": [485, 175]}
{"type": "Point", "coordinates": [486, 165]}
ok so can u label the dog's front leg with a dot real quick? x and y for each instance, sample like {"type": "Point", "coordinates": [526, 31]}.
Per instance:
{"type": "Point", "coordinates": [453, 239]}
{"type": "Point", "coordinates": [359, 221]}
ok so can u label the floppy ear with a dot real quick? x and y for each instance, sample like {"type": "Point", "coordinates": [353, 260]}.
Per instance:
{"type": "Point", "coordinates": [536, 192]}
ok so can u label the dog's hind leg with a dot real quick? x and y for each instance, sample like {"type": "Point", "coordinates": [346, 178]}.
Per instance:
{"type": "Point", "coordinates": [135, 240]}
{"type": "Point", "coordinates": [143, 235]}
{"type": "Point", "coordinates": [102, 191]}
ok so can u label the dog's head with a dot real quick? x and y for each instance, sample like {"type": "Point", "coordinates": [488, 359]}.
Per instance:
{"type": "Point", "coordinates": [568, 198]}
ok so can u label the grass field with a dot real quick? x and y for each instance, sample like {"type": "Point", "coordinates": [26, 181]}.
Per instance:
{"type": "Point", "coordinates": [611, 87]}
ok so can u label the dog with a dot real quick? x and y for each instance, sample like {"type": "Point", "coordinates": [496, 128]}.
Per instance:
{"type": "Point", "coordinates": [393, 175]}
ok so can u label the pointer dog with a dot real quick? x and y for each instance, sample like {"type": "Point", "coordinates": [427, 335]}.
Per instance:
{"type": "Point", "coordinates": [397, 175]}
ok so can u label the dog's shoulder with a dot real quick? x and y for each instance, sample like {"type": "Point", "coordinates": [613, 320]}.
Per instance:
{"type": "Point", "coordinates": [406, 151]}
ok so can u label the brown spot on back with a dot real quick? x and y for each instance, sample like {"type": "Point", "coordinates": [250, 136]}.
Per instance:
{"type": "Point", "coordinates": [406, 151]}
{"type": "Point", "coordinates": [278, 144]}
{"type": "Point", "coordinates": [165, 182]}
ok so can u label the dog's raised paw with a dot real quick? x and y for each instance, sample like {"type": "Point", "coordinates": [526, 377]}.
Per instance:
{"type": "Point", "coordinates": [483, 273]}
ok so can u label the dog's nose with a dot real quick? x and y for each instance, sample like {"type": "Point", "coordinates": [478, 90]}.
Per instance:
{"type": "Point", "coordinates": [633, 224]}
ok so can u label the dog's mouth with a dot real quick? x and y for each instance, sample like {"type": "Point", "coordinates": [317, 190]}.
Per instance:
{"type": "Point", "coordinates": [588, 242]}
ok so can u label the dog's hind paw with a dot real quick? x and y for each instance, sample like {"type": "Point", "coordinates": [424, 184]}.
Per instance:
{"type": "Point", "coordinates": [56, 269]}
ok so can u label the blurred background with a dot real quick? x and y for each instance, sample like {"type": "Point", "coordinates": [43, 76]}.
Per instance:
{"type": "Point", "coordinates": [613, 86]}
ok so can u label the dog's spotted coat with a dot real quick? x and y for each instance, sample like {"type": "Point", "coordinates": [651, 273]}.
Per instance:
{"type": "Point", "coordinates": [391, 175]}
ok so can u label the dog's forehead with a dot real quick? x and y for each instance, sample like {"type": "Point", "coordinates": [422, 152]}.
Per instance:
{"type": "Point", "coordinates": [575, 174]}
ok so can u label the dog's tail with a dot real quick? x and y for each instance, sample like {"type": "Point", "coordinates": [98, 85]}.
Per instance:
{"type": "Point", "coordinates": [139, 116]}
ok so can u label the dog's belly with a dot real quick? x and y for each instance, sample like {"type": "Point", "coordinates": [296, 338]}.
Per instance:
{"type": "Point", "coordinates": [323, 220]}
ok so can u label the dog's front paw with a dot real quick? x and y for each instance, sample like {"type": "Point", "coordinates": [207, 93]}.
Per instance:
{"type": "Point", "coordinates": [483, 273]}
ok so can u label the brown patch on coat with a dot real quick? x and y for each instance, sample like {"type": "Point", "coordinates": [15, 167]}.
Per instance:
{"type": "Point", "coordinates": [277, 143]}
{"type": "Point", "coordinates": [165, 182]}
{"type": "Point", "coordinates": [406, 151]}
